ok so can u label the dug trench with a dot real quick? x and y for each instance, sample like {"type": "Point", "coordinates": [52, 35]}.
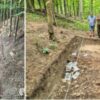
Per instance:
{"type": "Point", "coordinates": [49, 85]}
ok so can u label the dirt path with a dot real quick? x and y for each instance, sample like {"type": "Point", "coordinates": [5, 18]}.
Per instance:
{"type": "Point", "coordinates": [11, 66]}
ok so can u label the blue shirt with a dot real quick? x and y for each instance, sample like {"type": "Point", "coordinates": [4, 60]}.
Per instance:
{"type": "Point", "coordinates": [91, 20]}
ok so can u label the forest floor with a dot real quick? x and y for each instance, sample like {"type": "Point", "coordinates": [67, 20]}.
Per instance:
{"type": "Point", "coordinates": [37, 39]}
{"type": "Point", "coordinates": [11, 65]}
{"type": "Point", "coordinates": [87, 85]}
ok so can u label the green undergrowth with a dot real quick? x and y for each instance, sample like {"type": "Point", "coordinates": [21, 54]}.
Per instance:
{"type": "Point", "coordinates": [65, 23]}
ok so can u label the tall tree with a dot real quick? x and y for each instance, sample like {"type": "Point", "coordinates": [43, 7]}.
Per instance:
{"type": "Point", "coordinates": [61, 9]}
{"type": "Point", "coordinates": [50, 19]}
{"type": "Point", "coordinates": [11, 3]}
{"type": "Point", "coordinates": [65, 7]}
{"type": "Point", "coordinates": [31, 4]}
{"type": "Point", "coordinates": [80, 8]}
{"type": "Point", "coordinates": [39, 2]}
{"type": "Point", "coordinates": [91, 6]}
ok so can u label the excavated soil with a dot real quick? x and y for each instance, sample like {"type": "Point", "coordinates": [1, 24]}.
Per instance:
{"type": "Point", "coordinates": [45, 72]}
{"type": "Point", "coordinates": [86, 86]}
{"type": "Point", "coordinates": [37, 38]}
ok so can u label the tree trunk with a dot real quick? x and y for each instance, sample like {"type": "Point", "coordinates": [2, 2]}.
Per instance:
{"type": "Point", "coordinates": [91, 7]}
{"type": "Point", "coordinates": [50, 19]}
{"type": "Point", "coordinates": [65, 8]}
{"type": "Point", "coordinates": [44, 2]}
{"type": "Point", "coordinates": [10, 17]}
{"type": "Point", "coordinates": [53, 12]}
{"type": "Point", "coordinates": [80, 8]}
{"type": "Point", "coordinates": [61, 9]}
{"type": "Point", "coordinates": [39, 2]}
{"type": "Point", "coordinates": [57, 8]}
{"type": "Point", "coordinates": [74, 8]}
{"type": "Point", "coordinates": [30, 4]}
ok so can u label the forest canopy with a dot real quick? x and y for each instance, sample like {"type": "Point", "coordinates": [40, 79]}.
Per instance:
{"type": "Point", "coordinates": [69, 8]}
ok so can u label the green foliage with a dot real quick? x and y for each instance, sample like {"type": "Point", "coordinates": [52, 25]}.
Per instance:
{"type": "Point", "coordinates": [72, 7]}
{"type": "Point", "coordinates": [4, 4]}
{"type": "Point", "coordinates": [7, 5]}
{"type": "Point", "coordinates": [74, 24]}
{"type": "Point", "coordinates": [81, 25]}
{"type": "Point", "coordinates": [65, 23]}
{"type": "Point", "coordinates": [86, 7]}
{"type": "Point", "coordinates": [46, 50]}
{"type": "Point", "coordinates": [35, 17]}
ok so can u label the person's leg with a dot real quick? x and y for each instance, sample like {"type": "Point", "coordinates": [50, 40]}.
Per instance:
{"type": "Point", "coordinates": [91, 31]}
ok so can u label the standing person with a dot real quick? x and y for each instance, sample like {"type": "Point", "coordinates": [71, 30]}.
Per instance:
{"type": "Point", "coordinates": [92, 22]}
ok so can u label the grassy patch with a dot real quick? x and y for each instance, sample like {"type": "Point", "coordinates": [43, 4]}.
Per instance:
{"type": "Point", "coordinates": [81, 25]}
{"type": "Point", "coordinates": [35, 17]}
{"type": "Point", "coordinates": [74, 24]}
